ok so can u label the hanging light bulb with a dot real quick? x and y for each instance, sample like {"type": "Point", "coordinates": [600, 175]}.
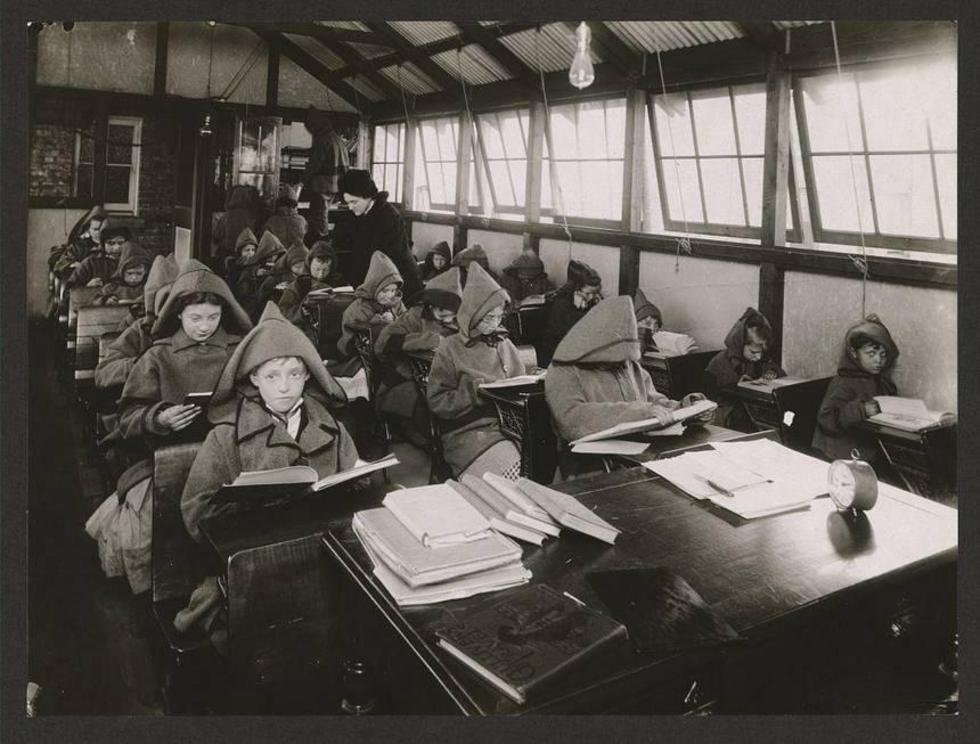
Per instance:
{"type": "Point", "coordinates": [581, 74]}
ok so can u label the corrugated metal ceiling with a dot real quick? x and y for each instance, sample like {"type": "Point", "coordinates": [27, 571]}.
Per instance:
{"type": "Point", "coordinates": [369, 51]}
{"type": "Point", "coordinates": [478, 67]}
{"type": "Point", "coordinates": [352, 25]}
{"type": "Point", "coordinates": [424, 32]}
{"type": "Point", "coordinates": [365, 88]}
{"type": "Point", "coordinates": [316, 49]}
{"type": "Point", "coordinates": [651, 36]}
{"type": "Point", "coordinates": [412, 79]}
{"type": "Point", "coordinates": [556, 47]}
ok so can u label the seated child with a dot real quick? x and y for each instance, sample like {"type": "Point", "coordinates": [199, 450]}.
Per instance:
{"type": "Point", "coordinates": [429, 320]}
{"type": "Point", "coordinates": [525, 276]}
{"type": "Point", "coordinates": [126, 284]}
{"type": "Point", "coordinates": [286, 224]}
{"type": "Point", "coordinates": [595, 379]}
{"type": "Point", "coordinates": [569, 304]}
{"type": "Point", "coordinates": [100, 264]}
{"type": "Point", "coordinates": [291, 264]}
{"type": "Point", "coordinates": [320, 274]}
{"type": "Point", "coordinates": [436, 261]}
{"type": "Point", "coordinates": [246, 246]}
{"type": "Point", "coordinates": [479, 352]}
{"type": "Point", "coordinates": [745, 357]}
{"type": "Point", "coordinates": [864, 371]}
{"type": "Point", "coordinates": [378, 302]}
{"type": "Point", "coordinates": [271, 409]}
{"type": "Point", "coordinates": [83, 239]}
{"type": "Point", "coordinates": [242, 210]}
{"type": "Point", "coordinates": [474, 253]}
{"type": "Point", "coordinates": [254, 271]}
{"type": "Point", "coordinates": [649, 320]}
{"type": "Point", "coordinates": [194, 335]}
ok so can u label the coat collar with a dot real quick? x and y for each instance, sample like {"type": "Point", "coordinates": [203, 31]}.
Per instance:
{"type": "Point", "coordinates": [221, 339]}
{"type": "Point", "coordinates": [257, 432]}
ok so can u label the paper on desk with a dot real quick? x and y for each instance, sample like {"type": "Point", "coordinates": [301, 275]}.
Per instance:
{"type": "Point", "coordinates": [356, 386]}
{"type": "Point", "coordinates": [702, 474]}
{"type": "Point", "coordinates": [513, 381]}
{"type": "Point", "coordinates": [780, 464]}
{"type": "Point", "coordinates": [610, 447]}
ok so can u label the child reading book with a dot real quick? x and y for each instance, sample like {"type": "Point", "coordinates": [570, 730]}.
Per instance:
{"type": "Point", "coordinates": [254, 271]}
{"type": "Point", "coordinates": [436, 261]}
{"type": "Point", "coordinates": [649, 320]}
{"type": "Point", "coordinates": [595, 380]}
{"type": "Point", "coordinates": [864, 371]}
{"type": "Point", "coordinates": [126, 284]}
{"type": "Point", "coordinates": [525, 276]}
{"type": "Point", "coordinates": [290, 266]}
{"type": "Point", "coordinates": [479, 352]}
{"type": "Point", "coordinates": [378, 303]}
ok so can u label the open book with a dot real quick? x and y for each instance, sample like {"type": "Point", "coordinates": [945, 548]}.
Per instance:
{"type": "Point", "coordinates": [908, 414]}
{"type": "Point", "coordinates": [514, 381]}
{"type": "Point", "coordinates": [770, 385]}
{"type": "Point", "coordinates": [533, 300]}
{"type": "Point", "coordinates": [635, 427]}
{"type": "Point", "coordinates": [258, 486]}
{"type": "Point", "coordinates": [524, 510]}
{"type": "Point", "coordinates": [674, 344]}
{"type": "Point", "coordinates": [314, 294]}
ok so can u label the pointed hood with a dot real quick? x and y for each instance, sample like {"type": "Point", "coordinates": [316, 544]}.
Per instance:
{"type": "Point", "coordinates": [162, 274]}
{"type": "Point", "coordinates": [580, 274]}
{"type": "Point", "coordinates": [297, 252]}
{"type": "Point", "coordinates": [442, 248]}
{"type": "Point", "coordinates": [475, 253]}
{"type": "Point", "coordinates": [269, 246]}
{"type": "Point", "coordinates": [272, 337]}
{"type": "Point", "coordinates": [528, 262]}
{"type": "Point", "coordinates": [129, 259]}
{"type": "Point", "coordinates": [443, 290]}
{"type": "Point", "coordinates": [606, 334]}
{"type": "Point", "coordinates": [322, 249]}
{"type": "Point", "coordinates": [481, 295]}
{"type": "Point", "coordinates": [381, 271]}
{"type": "Point", "coordinates": [196, 277]}
{"type": "Point", "coordinates": [245, 237]}
{"type": "Point", "coordinates": [873, 328]}
{"type": "Point", "coordinates": [735, 339]}
{"type": "Point", "coordinates": [645, 308]}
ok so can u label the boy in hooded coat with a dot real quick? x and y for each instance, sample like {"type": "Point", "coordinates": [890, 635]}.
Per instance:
{"type": "Point", "coordinates": [126, 284]}
{"type": "Point", "coordinates": [373, 224]}
{"type": "Point", "coordinates": [473, 254]}
{"type": "Point", "coordinates": [287, 224]}
{"type": "Point", "coordinates": [569, 304]}
{"type": "Point", "coordinates": [246, 246]}
{"type": "Point", "coordinates": [479, 352]}
{"type": "Point", "coordinates": [178, 363]}
{"type": "Point", "coordinates": [441, 255]}
{"type": "Point", "coordinates": [525, 276]}
{"type": "Point", "coordinates": [321, 273]}
{"type": "Point", "coordinates": [255, 270]}
{"type": "Point", "coordinates": [291, 265]}
{"type": "Point", "coordinates": [84, 237]}
{"type": "Point", "coordinates": [378, 302]}
{"type": "Point", "coordinates": [596, 381]}
{"type": "Point", "coordinates": [270, 409]}
{"type": "Point", "coordinates": [864, 371]}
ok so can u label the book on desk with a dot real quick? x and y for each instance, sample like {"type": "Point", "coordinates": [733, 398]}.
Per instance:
{"type": "Point", "coordinates": [908, 414]}
{"type": "Point", "coordinates": [635, 427]}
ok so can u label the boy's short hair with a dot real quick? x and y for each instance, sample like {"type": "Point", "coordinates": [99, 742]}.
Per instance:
{"type": "Point", "coordinates": [859, 340]}
{"type": "Point", "coordinates": [257, 367]}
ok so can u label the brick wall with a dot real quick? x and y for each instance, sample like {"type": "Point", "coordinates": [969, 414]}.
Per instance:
{"type": "Point", "coordinates": [52, 153]}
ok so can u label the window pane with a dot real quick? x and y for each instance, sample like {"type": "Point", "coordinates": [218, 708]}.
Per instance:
{"type": "Point", "coordinates": [117, 184]}
{"type": "Point", "coordinates": [391, 145]}
{"type": "Point", "coordinates": [752, 172]}
{"type": "Point", "coordinates": [683, 194]}
{"type": "Point", "coordinates": [904, 195]}
{"type": "Point", "coordinates": [563, 132]}
{"type": "Point", "coordinates": [379, 144]}
{"type": "Point", "coordinates": [449, 179]}
{"type": "Point", "coordinates": [378, 174]}
{"type": "Point", "coordinates": [401, 143]}
{"type": "Point", "coordinates": [946, 177]}
{"type": "Point", "coordinates": [893, 119]}
{"type": "Point", "coordinates": [512, 135]}
{"type": "Point", "coordinates": [603, 185]}
{"type": "Point", "coordinates": [518, 175]}
{"type": "Point", "coordinates": [474, 196]}
{"type": "Point", "coordinates": [86, 148]}
{"type": "Point", "coordinates": [83, 185]}
{"type": "Point", "coordinates": [571, 188]}
{"type": "Point", "coordinates": [828, 105]}
{"type": "Point", "coordinates": [547, 199]}
{"type": "Point", "coordinates": [391, 182]}
{"type": "Point", "coordinates": [437, 190]}
{"type": "Point", "coordinates": [722, 191]}
{"type": "Point", "coordinates": [615, 128]}
{"type": "Point", "coordinates": [713, 122]}
{"type": "Point", "coordinates": [750, 110]}
{"type": "Point", "coordinates": [835, 193]}
{"type": "Point", "coordinates": [447, 139]}
{"type": "Point", "coordinates": [430, 144]}
{"type": "Point", "coordinates": [673, 125]}
{"type": "Point", "coordinates": [491, 137]}
{"type": "Point", "coordinates": [501, 182]}
{"type": "Point", "coordinates": [936, 95]}
{"type": "Point", "coordinates": [591, 131]}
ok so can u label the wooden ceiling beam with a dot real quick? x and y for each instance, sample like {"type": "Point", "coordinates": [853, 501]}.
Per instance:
{"type": "Point", "coordinates": [409, 53]}
{"type": "Point", "coordinates": [360, 65]}
{"type": "Point", "coordinates": [316, 31]}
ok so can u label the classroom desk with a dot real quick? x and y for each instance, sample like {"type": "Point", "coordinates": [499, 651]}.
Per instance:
{"type": "Point", "coordinates": [676, 376]}
{"type": "Point", "coordinates": [807, 590]}
{"type": "Point", "coordinates": [694, 436]}
{"type": "Point", "coordinates": [767, 408]}
{"type": "Point", "coordinates": [524, 414]}
{"type": "Point", "coordinates": [925, 460]}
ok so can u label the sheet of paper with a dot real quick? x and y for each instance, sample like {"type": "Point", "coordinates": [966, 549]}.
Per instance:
{"type": "Point", "coordinates": [779, 464]}
{"type": "Point", "coordinates": [611, 447]}
{"type": "Point", "coordinates": [356, 386]}
{"type": "Point", "coordinates": [513, 381]}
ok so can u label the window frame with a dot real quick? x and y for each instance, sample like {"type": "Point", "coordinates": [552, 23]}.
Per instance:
{"type": "Point", "coordinates": [421, 150]}
{"type": "Point", "coordinates": [402, 137]}
{"type": "Point", "coordinates": [494, 204]}
{"type": "Point", "coordinates": [136, 123]}
{"type": "Point", "coordinates": [873, 237]}
{"type": "Point", "coordinates": [703, 227]}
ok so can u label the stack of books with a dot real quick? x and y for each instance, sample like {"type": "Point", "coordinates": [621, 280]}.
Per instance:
{"type": "Point", "coordinates": [428, 544]}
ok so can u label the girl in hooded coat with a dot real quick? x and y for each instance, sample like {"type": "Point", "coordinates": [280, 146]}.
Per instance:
{"type": "Point", "coordinates": [429, 320]}
{"type": "Point", "coordinates": [471, 437]}
{"type": "Point", "coordinates": [473, 254]}
{"type": "Point", "coordinates": [373, 225]}
{"type": "Point", "coordinates": [270, 409]}
{"type": "Point", "coordinates": [378, 303]}
{"type": "Point", "coordinates": [596, 381]}
{"type": "Point", "coordinates": [195, 333]}
{"type": "Point", "coordinates": [745, 357]}
{"type": "Point", "coordinates": [525, 276]}
{"type": "Point", "coordinates": [320, 273]}
{"type": "Point", "coordinates": [864, 371]}
{"type": "Point", "coordinates": [255, 270]}
{"type": "Point", "coordinates": [84, 237]}
{"type": "Point", "coordinates": [126, 284]}
{"type": "Point", "coordinates": [436, 261]}
{"type": "Point", "coordinates": [291, 264]}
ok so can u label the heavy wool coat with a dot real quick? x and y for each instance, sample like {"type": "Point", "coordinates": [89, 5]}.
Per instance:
{"type": "Point", "coordinates": [365, 313]}
{"type": "Point", "coordinates": [525, 276]}
{"type": "Point", "coordinates": [595, 379]}
{"type": "Point", "coordinates": [463, 361]}
{"type": "Point", "coordinates": [380, 229]}
{"type": "Point", "coordinates": [121, 356]}
{"type": "Point", "coordinates": [728, 365]}
{"type": "Point", "coordinates": [842, 407]}
{"type": "Point", "coordinates": [287, 225]}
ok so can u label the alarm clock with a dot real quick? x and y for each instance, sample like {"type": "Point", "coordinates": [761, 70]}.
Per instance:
{"type": "Point", "coordinates": [852, 483]}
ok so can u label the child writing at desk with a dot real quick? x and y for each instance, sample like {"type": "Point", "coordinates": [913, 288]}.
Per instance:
{"type": "Point", "coordinates": [595, 380]}
{"type": "Point", "coordinates": [864, 371]}
{"type": "Point", "coordinates": [270, 409]}
{"type": "Point", "coordinates": [479, 352]}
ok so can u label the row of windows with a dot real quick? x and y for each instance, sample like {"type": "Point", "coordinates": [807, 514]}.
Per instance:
{"type": "Point", "coordinates": [875, 152]}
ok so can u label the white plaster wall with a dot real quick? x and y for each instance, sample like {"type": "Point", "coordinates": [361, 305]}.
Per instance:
{"type": "Point", "coordinates": [45, 228]}
{"type": "Point", "coordinates": [501, 248]}
{"type": "Point", "coordinates": [103, 55]}
{"type": "Point", "coordinates": [425, 235]}
{"type": "Point", "coordinates": [188, 54]}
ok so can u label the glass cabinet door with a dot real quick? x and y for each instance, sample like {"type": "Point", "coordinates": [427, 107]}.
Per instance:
{"type": "Point", "coordinates": [257, 154]}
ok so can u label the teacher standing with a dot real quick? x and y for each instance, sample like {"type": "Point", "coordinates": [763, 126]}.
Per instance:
{"type": "Point", "coordinates": [373, 225]}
